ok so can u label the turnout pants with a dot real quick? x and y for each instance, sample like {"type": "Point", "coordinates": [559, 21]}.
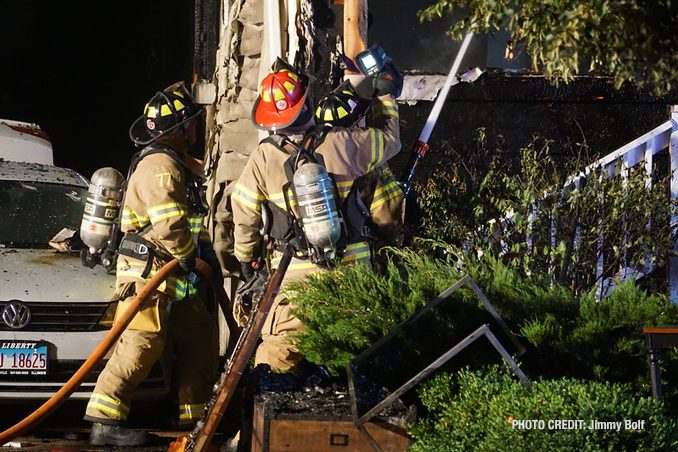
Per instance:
{"type": "Point", "coordinates": [276, 348]}
{"type": "Point", "coordinates": [192, 333]}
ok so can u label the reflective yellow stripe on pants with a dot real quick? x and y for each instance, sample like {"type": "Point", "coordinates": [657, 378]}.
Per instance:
{"type": "Point", "coordinates": [190, 413]}
{"type": "Point", "coordinates": [114, 408]}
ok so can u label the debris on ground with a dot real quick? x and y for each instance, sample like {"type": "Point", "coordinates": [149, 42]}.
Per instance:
{"type": "Point", "coordinates": [317, 395]}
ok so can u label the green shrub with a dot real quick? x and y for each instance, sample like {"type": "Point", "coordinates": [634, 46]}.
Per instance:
{"type": "Point", "coordinates": [347, 310]}
{"type": "Point", "coordinates": [572, 334]}
{"type": "Point", "coordinates": [605, 339]}
{"type": "Point", "coordinates": [567, 335]}
{"type": "Point", "coordinates": [479, 410]}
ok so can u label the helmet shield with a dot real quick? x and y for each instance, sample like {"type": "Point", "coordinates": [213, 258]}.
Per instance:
{"type": "Point", "coordinates": [164, 112]}
{"type": "Point", "coordinates": [281, 98]}
{"type": "Point", "coordinates": [342, 107]}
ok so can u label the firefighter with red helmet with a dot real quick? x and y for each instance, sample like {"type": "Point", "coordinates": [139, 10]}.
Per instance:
{"type": "Point", "coordinates": [161, 220]}
{"type": "Point", "coordinates": [272, 202]}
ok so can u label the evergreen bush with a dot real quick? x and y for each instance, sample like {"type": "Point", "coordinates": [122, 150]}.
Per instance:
{"type": "Point", "coordinates": [573, 334]}
{"type": "Point", "coordinates": [479, 410]}
{"type": "Point", "coordinates": [604, 340]}
{"type": "Point", "coordinates": [347, 310]}
{"type": "Point", "coordinates": [567, 334]}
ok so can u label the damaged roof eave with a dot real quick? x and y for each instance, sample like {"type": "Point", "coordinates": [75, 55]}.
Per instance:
{"type": "Point", "coordinates": [421, 87]}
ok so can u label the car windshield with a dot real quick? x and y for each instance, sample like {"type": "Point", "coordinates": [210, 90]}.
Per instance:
{"type": "Point", "coordinates": [33, 213]}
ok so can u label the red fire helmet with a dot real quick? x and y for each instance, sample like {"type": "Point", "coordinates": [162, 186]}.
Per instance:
{"type": "Point", "coordinates": [281, 97]}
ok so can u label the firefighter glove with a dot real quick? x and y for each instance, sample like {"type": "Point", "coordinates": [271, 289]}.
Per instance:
{"type": "Point", "coordinates": [249, 269]}
{"type": "Point", "coordinates": [187, 265]}
{"type": "Point", "coordinates": [249, 293]}
{"type": "Point", "coordinates": [389, 81]}
{"type": "Point", "coordinates": [253, 288]}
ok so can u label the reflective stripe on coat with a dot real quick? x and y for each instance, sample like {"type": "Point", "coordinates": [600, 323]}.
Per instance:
{"type": "Point", "coordinates": [156, 206]}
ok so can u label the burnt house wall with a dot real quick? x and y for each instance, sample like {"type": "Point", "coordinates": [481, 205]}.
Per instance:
{"type": "Point", "coordinates": [513, 108]}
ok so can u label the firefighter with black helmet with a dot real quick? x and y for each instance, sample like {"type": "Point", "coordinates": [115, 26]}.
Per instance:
{"type": "Point", "coordinates": [161, 220]}
{"type": "Point", "coordinates": [271, 201]}
{"type": "Point", "coordinates": [343, 107]}
{"type": "Point", "coordinates": [379, 189]}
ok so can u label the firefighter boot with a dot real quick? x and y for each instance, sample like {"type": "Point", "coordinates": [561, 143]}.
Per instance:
{"type": "Point", "coordinates": [115, 435]}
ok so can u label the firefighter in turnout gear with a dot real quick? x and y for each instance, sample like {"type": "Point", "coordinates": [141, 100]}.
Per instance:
{"type": "Point", "coordinates": [161, 220]}
{"type": "Point", "coordinates": [269, 200]}
{"type": "Point", "coordinates": [378, 189]}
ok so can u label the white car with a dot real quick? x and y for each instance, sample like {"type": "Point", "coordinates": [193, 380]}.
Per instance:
{"type": "Point", "coordinates": [24, 142]}
{"type": "Point", "coordinates": [54, 311]}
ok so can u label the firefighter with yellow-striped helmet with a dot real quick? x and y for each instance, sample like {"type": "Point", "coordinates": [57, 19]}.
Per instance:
{"type": "Point", "coordinates": [380, 191]}
{"type": "Point", "coordinates": [164, 113]}
{"type": "Point", "coordinates": [342, 107]}
{"type": "Point", "coordinates": [161, 220]}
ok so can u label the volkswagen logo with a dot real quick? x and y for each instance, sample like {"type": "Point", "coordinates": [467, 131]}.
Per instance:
{"type": "Point", "coordinates": [16, 315]}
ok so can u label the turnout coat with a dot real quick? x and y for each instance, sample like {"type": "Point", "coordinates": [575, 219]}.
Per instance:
{"type": "Point", "coordinates": [346, 153]}
{"type": "Point", "coordinates": [156, 208]}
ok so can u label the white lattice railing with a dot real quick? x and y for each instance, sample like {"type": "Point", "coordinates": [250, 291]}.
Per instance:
{"type": "Point", "coordinates": [640, 150]}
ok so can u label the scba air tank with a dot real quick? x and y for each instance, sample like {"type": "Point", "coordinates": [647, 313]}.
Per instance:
{"type": "Point", "coordinates": [102, 208]}
{"type": "Point", "coordinates": [315, 201]}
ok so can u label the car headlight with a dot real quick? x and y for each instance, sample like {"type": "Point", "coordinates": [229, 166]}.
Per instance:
{"type": "Point", "coordinates": [106, 320]}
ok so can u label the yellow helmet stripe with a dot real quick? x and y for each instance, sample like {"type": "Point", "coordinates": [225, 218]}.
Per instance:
{"type": "Point", "coordinates": [151, 112]}
{"type": "Point", "coordinates": [289, 86]}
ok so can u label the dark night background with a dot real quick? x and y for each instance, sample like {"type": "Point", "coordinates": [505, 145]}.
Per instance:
{"type": "Point", "coordinates": [83, 71]}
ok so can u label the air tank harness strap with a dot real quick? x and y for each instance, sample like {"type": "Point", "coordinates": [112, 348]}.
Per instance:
{"type": "Point", "coordinates": [137, 247]}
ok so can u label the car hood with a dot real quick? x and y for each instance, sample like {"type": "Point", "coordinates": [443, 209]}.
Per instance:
{"type": "Point", "coordinates": [47, 275]}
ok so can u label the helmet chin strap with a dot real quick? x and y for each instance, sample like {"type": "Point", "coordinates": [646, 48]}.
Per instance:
{"type": "Point", "coordinates": [299, 130]}
{"type": "Point", "coordinates": [187, 140]}
{"type": "Point", "coordinates": [178, 139]}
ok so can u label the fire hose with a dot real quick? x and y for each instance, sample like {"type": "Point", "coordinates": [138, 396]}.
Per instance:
{"type": "Point", "coordinates": [107, 343]}
{"type": "Point", "coordinates": [421, 146]}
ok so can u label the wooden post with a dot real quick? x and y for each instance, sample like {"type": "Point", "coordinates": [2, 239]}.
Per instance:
{"type": "Point", "coordinates": [355, 33]}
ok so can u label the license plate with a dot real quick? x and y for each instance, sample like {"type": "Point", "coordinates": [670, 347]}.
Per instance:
{"type": "Point", "coordinates": [23, 358]}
